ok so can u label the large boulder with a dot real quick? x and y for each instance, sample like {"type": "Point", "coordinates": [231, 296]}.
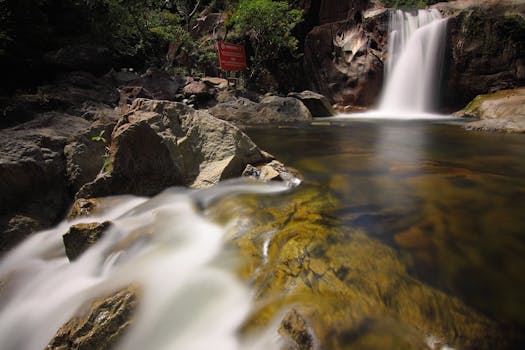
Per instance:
{"type": "Point", "coordinates": [271, 109]}
{"type": "Point", "coordinates": [239, 110]}
{"type": "Point", "coordinates": [161, 143]}
{"type": "Point", "coordinates": [344, 60]}
{"type": "Point", "coordinates": [501, 111]}
{"type": "Point", "coordinates": [32, 174]}
{"type": "Point", "coordinates": [317, 104]}
{"type": "Point", "coordinates": [487, 49]}
{"type": "Point", "coordinates": [281, 110]}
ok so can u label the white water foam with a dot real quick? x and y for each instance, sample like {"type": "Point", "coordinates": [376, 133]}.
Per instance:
{"type": "Point", "coordinates": [414, 69]}
{"type": "Point", "coordinates": [190, 299]}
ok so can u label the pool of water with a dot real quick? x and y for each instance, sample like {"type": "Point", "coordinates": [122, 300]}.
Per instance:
{"type": "Point", "coordinates": [451, 203]}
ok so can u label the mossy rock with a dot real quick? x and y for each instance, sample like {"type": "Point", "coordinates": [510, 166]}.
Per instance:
{"type": "Point", "coordinates": [342, 289]}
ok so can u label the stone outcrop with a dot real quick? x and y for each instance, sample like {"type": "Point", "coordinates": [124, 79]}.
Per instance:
{"type": "Point", "coordinates": [271, 109]}
{"type": "Point", "coordinates": [344, 60]}
{"type": "Point", "coordinates": [160, 144]}
{"type": "Point", "coordinates": [487, 49]}
{"type": "Point", "coordinates": [32, 173]}
{"type": "Point", "coordinates": [317, 104]}
{"type": "Point", "coordinates": [102, 326]}
{"type": "Point", "coordinates": [500, 111]}
{"type": "Point", "coordinates": [155, 84]}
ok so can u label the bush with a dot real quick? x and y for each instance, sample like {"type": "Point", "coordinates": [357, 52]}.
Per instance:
{"type": "Point", "coordinates": [268, 26]}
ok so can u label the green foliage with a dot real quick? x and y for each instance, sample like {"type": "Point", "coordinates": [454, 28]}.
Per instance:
{"type": "Point", "coordinates": [105, 157]}
{"type": "Point", "coordinates": [269, 25]}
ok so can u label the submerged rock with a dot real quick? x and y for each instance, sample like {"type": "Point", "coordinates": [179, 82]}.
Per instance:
{"type": "Point", "coordinates": [161, 144]}
{"type": "Point", "coordinates": [501, 111]}
{"type": "Point", "coordinates": [345, 289]}
{"type": "Point", "coordinates": [101, 326]}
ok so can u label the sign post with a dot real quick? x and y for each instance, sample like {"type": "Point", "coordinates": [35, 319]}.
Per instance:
{"type": "Point", "coordinates": [231, 56]}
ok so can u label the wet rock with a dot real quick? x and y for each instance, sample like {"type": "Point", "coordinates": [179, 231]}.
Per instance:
{"type": "Point", "coordinates": [348, 291]}
{"type": "Point", "coordinates": [501, 111]}
{"type": "Point", "coordinates": [487, 51]}
{"type": "Point", "coordinates": [102, 326]}
{"type": "Point", "coordinates": [32, 169]}
{"type": "Point", "coordinates": [80, 237]}
{"type": "Point", "coordinates": [281, 110]}
{"type": "Point", "coordinates": [295, 327]}
{"type": "Point", "coordinates": [274, 171]}
{"type": "Point", "coordinates": [160, 144]}
{"type": "Point", "coordinates": [317, 104]}
{"type": "Point", "coordinates": [83, 207]}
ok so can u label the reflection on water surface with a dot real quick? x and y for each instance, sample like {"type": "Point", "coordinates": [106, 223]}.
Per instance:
{"type": "Point", "coordinates": [450, 202]}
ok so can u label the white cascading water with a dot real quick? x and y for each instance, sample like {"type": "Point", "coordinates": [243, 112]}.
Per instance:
{"type": "Point", "coordinates": [189, 299]}
{"type": "Point", "coordinates": [416, 51]}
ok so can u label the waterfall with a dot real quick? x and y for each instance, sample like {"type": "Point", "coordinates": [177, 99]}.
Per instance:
{"type": "Point", "coordinates": [416, 51]}
{"type": "Point", "coordinates": [189, 299]}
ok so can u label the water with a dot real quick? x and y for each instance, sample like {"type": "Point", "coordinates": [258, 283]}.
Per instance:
{"type": "Point", "coordinates": [189, 297]}
{"type": "Point", "coordinates": [402, 234]}
{"type": "Point", "coordinates": [414, 66]}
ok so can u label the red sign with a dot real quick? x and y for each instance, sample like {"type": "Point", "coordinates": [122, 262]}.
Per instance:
{"type": "Point", "coordinates": [231, 56]}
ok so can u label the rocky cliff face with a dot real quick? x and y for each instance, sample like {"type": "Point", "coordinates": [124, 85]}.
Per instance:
{"type": "Point", "coordinates": [346, 45]}
{"type": "Point", "coordinates": [344, 59]}
{"type": "Point", "coordinates": [487, 49]}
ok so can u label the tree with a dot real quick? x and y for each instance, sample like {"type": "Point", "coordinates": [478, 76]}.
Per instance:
{"type": "Point", "coordinates": [269, 26]}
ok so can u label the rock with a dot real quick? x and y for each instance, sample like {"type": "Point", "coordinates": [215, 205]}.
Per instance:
{"type": "Point", "coordinates": [80, 237]}
{"type": "Point", "coordinates": [75, 92]}
{"type": "Point", "coordinates": [32, 170]}
{"type": "Point", "coordinates": [344, 60]}
{"type": "Point", "coordinates": [159, 84]}
{"type": "Point", "coordinates": [83, 207]}
{"type": "Point", "coordinates": [281, 109]}
{"type": "Point", "coordinates": [295, 327]}
{"type": "Point", "coordinates": [82, 57]}
{"type": "Point", "coordinates": [500, 111]}
{"type": "Point", "coordinates": [487, 51]}
{"type": "Point", "coordinates": [102, 326]}
{"type": "Point", "coordinates": [129, 93]}
{"type": "Point", "coordinates": [160, 144]}
{"type": "Point", "coordinates": [218, 83]}
{"type": "Point", "coordinates": [317, 104]}
{"type": "Point", "coordinates": [274, 171]}
{"type": "Point", "coordinates": [339, 283]}
{"type": "Point", "coordinates": [239, 110]}
{"type": "Point", "coordinates": [18, 227]}
{"type": "Point", "coordinates": [199, 90]}
{"type": "Point", "coordinates": [86, 157]}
